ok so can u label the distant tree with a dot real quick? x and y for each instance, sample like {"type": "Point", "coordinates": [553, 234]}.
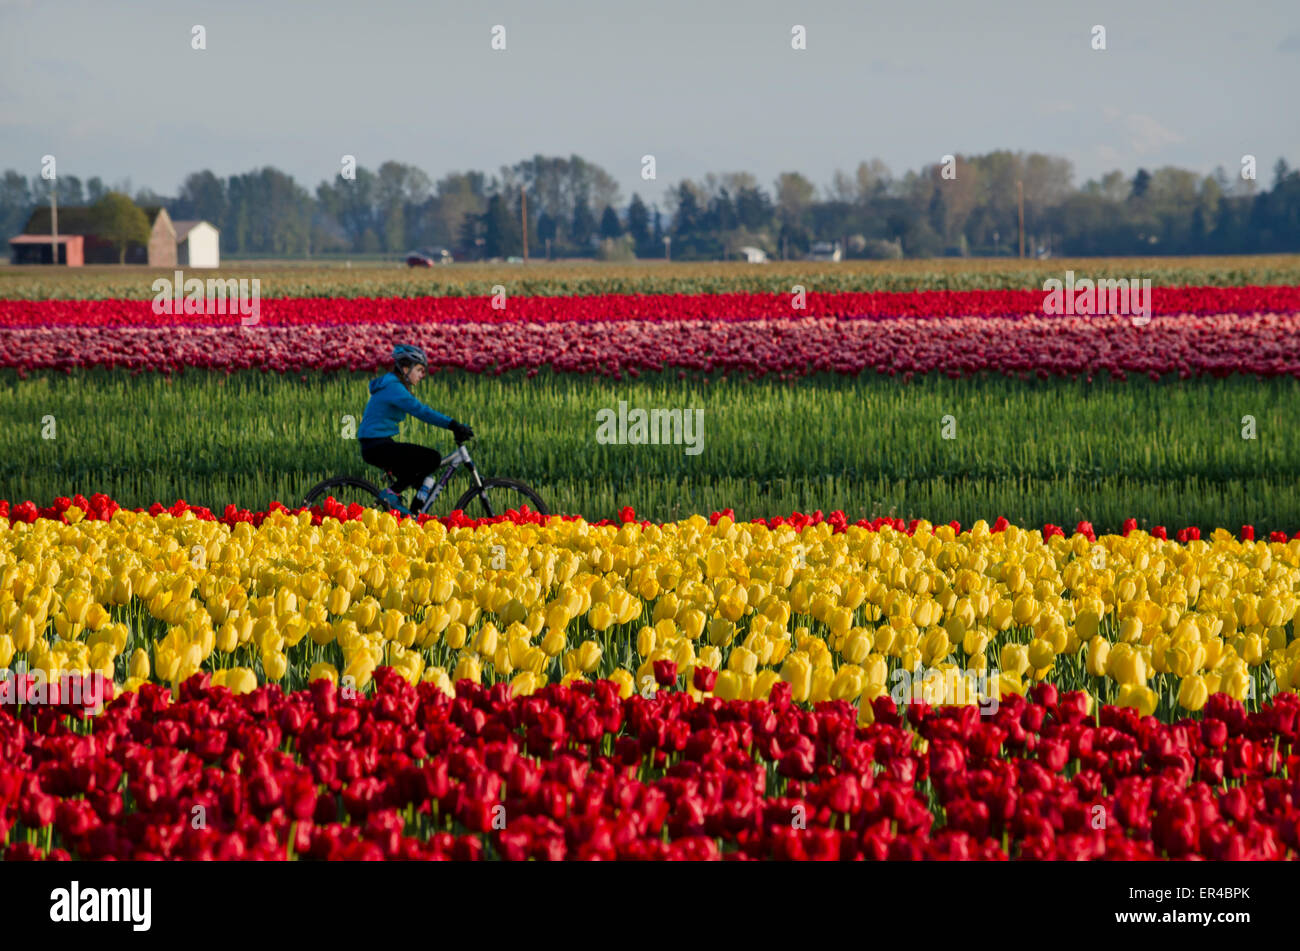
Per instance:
{"type": "Point", "coordinates": [873, 179]}
{"type": "Point", "coordinates": [273, 213]}
{"type": "Point", "coordinates": [546, 227]}
{"type": "Point", "coordinates": [794, 194]}
{"type": "Point", "coordinates": [147, 198]}
{"type": "Point", "coordinates": [610, 226]}
{"type": "Point", "coordinates": [722, 212]}
{"type": "Point", "coordinates": [458, 197]}
{"type": "Point", "coordinates": [501, 234]}
{"type": "Point", "coordinates": [584, 224]}
{"type": "Point", "coordinates": [556, 184]}
{"type": "Point", "coordinates": [202, 196]}
{"type": "Point", "coordinates": [469, 235]}
{"type": "Point", "coordinates": [16, 202]}
{"type": "Point", "coordinates": [638, 222]}
{"type": "Point", "coordinates": [350, 202]}
{"type": "Point", "coordinates": [95, 189]}
{"type": "Point", "coordinates": [754, 208]}
{"type": "Point", "coordinates": [689, 218]}
{"type": "Point", "coordinates": [120, 221]}
{"type": "Point", "coordinates": [1141, 182]}
{"type": "Point", "coordinates": [70, 192]}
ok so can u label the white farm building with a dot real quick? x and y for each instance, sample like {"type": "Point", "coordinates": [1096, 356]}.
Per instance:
{"type": "Point", "coordinates": [197, 244]}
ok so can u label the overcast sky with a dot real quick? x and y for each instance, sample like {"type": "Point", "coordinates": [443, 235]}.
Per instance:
{"type": "Point", "coordinates": [115, 89]}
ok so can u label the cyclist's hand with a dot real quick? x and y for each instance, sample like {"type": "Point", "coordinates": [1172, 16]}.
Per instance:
{"type": "Point", "coordinates": [461, 432]}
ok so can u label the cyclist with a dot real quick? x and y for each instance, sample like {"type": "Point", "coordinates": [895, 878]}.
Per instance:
{"type": "Point", "coordinates": [390, 402]}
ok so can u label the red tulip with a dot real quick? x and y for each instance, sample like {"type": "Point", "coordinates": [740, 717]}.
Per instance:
{"type": "Point", "coordinates": [665, 673]}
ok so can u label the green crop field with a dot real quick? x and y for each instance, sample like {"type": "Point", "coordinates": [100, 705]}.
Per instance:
{"type": "Point", "coordinates": [1057, 451]}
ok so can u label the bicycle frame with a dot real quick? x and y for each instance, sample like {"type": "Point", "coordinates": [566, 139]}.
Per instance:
{"type": "Point", "coordinates": [448, 467]}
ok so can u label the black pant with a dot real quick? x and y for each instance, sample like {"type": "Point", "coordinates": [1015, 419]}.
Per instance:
{"type": "Point", "coordinates": [408, 462]}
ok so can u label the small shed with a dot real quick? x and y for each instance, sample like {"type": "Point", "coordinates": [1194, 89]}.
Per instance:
{"type": "Point", "coordinates": [37, 249]}
{"type": "Point", "coordinates": [197, 244]}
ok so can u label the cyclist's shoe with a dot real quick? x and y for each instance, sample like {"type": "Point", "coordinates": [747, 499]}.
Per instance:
{"type": "Point", "coordinates": [394, 501]}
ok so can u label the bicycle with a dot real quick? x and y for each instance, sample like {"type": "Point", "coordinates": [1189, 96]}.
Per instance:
{"type": "Point", "coordinates": [494, 496]}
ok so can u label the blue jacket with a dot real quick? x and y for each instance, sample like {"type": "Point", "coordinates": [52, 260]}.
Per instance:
{"type": "Point", "coordinates": [391, 402]}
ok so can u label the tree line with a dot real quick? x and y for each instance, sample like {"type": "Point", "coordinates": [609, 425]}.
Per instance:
{"type": "Point", "coordinates": [965, 205]}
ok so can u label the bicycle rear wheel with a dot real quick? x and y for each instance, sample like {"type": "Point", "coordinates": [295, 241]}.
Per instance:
{"type": "Point", "coordinates": [346, 490]}
{"type": "Point", "coordinates": [497, 496]}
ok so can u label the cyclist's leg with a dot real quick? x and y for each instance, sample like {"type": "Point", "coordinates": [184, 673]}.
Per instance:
{"type": "Point", "coordinates": [381, 453]}
{"type": "Point", "coordinates": [415, 463]}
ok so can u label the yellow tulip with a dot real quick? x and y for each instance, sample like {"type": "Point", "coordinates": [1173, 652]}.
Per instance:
{"type": "Point", "coordinates": [438, 677]}
{"type": "Point", "coordinates": [1041, 655]}
{"type": "Point", "coordinates": [762, 683]}
{"type": "Point", "coordinates": [1014, 659]}
{"type": "Point", "coordinates": [323, 671]}
{"type": "Point", "coordinates": [743, 661]}
{"type": "Point", "coordinates": [139, 664]}
{"type": "Point", "coordinates": [524, 684]}
{"type": "Point", "coordinates": [23, 632]}
{"type": "Point", "coordinates": [240, 680]}
{"type": "Point", "coordinates": [275, 665]}
{"type": "Point", "coordinates": [721, 632]}
{"type": "Point", "coordinates": [935, 647]}
{"type": "Point", "coordinates": [1192, 693]}
{"type": "Point", "coordinates": [1000, 615]}
{"type": "Point", "coordinates": [866, 714]}
{"type": "Point", "coordinates": [1126, 666]}
{"type": "Point", "coordinates": [729, 685]}
{"type": "Point", "coordinates": [857, 647]}
{"type": "Point", "coordinates": [468, 668]}
{"type": "Point", "coordinates": [588, 656]}
{"type": "Point", "coordinates": [797, 672]}
{"type": "Point", "coordinates": [601, 617]}
{"type": "Point", "coordinates": [1086, 624]}
{"type": "Point", "coordinates": [1139, 697]}
{"type": "Point", "coordinates": [359, 667]}
{"type": "Point", "coordinates": [338, 601]}
{"type": "Point", "coordinates": [847, 684]}
{"type": "Point", "coordinates": [691, 621]}
{"type": "Point", "coordinates": [1098, 652]}
{"type": "Point", "coordinates": [1237, 684]}
{"type": "Point", "coordinates": [974, 641]}
{"type": "Point", "coordinates": [1252, 650]}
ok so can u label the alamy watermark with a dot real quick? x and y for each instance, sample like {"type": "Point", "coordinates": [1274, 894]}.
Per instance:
{"type": "Point", "coordinates": [75, 904]}
{"type": "Point", "coordinates": [946, 685]}
{"type": "Point", "coordinates": [654, 427]}
{"type": "Point", "coordinates": [70, 688]}
{"type": "Point", "coordinates": [1117, 297]}
{"type": "Point", "coordinates": [216, 295]}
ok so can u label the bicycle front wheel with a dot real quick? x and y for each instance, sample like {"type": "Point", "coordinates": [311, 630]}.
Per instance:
{"type": "Point", "coordinates": [498, 496]}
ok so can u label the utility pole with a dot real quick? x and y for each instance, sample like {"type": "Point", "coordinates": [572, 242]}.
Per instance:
{"type": "Point", "coordinates": [523, 205]}
{"type": "Point", "coordinates": [1020, 200]}
{"type": "Point", "coordinates": [668, 248]}
{"type": "Point", "coordinates": [54, 221]}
